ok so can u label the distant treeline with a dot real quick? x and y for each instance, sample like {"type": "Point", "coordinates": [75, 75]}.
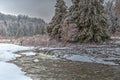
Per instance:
{"type": "Point", "coordinates": [18, 26]}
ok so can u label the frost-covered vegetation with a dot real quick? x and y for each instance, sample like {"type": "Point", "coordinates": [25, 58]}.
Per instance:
{"type": "Point", "coordinates": [18, 26]}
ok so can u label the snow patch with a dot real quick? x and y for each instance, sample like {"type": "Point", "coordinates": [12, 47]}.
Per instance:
{"type": "Point", "coordinates": [10, 71]}
{"type": "Point", "coordinates": [49, 48]}
{"type": "Point", "coordinates": [29, 54]}
{"type": "Point", "coordinates": [7, 56]}
{"type": "Point", "coordinates": [5, 47]}
{"type": "Point", "coordinates": [7, 51]}
{"type": "Point", "coordinates": [36, 60]}
{"type": "Point", "coordinates": [115, 37]}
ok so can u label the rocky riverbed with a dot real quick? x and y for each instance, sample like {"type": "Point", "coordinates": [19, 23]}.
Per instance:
{"type": "Point", "coordinates": [80, 62]}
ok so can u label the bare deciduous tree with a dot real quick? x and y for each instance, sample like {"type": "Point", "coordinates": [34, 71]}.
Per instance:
{"type": "Point", "coordinates": [113, 20]}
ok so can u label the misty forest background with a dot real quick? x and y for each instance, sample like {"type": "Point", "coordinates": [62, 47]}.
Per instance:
{"type": "Point", "coordinates": [21, 25]}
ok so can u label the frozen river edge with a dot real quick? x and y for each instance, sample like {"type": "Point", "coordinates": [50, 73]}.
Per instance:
{"type": "Point", "coordinates": [38, 63]}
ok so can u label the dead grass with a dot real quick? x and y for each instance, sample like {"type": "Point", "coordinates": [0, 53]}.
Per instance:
{"type": "Point", "coordinates": [38, 40]}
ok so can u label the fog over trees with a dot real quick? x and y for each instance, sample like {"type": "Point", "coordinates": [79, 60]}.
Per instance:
{"type": "Point", "coordinates": [21, 25]}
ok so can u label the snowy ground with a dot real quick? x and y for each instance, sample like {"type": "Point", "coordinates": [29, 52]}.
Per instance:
{"type": "Point", "coordinates": [9, 71]}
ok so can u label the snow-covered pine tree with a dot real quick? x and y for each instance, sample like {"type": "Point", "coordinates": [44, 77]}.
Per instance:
{"type": "Point", "coordinates": [55, 25]}
{"type": "Point", "coordinates": [90, 19]}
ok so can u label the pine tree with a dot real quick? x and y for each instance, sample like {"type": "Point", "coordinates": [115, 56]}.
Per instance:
{"type": "Point", "coordinates": [55, 25]}
{"type": "Point", "coordinates": [90, 19]}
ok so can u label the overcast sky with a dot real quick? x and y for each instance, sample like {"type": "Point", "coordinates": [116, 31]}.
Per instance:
{"type": "Point", "coordinates": [36, 8]}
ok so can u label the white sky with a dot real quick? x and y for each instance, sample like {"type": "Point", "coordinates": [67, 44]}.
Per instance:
{"type": "Point", "coordinates": [36, 8]}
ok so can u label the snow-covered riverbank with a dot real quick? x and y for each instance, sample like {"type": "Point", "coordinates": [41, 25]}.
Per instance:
{"type": "Point", "coordinates": [9, 71]}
